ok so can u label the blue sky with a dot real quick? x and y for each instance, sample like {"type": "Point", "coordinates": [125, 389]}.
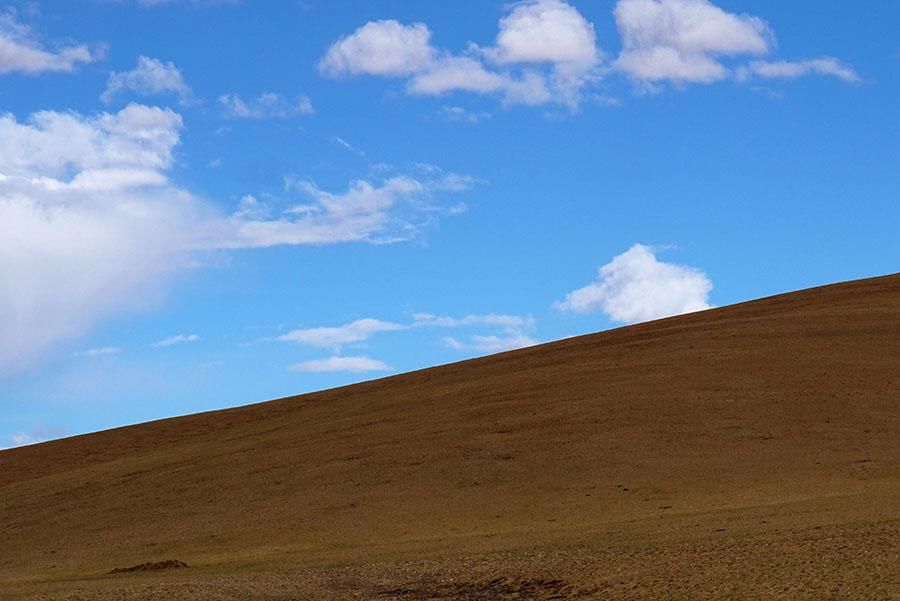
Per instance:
{"type": "Point", "coordinates": [205, 204]}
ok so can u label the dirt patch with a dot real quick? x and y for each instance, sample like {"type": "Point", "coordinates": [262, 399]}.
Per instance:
{"type": "Point", "coordinates": [169, 564]}
{"type": "Point", "coordinates": [489, 590]}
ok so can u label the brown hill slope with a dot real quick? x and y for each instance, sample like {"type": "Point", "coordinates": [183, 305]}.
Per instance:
{"type": "Point", "coordinates": [775, 420]}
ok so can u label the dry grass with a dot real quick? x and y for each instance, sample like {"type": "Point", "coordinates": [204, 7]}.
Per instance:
{"type": "Point", "coordinates": [751, 451]}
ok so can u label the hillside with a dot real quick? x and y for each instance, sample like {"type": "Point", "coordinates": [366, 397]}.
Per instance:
{"type": "Point", "coordinates": [750, 450]}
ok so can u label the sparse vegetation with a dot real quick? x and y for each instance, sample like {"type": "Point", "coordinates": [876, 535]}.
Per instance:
{"type": "Point", "coordinates": [748, 452]}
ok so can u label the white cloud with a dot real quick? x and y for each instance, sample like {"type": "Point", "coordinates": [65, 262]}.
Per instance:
{"type": "Point", "coordinates": [20, 51]}
{"type": "Point", "coordinates": [459, 114]}
{"type": "Point", "coordinates": [89, 225]}
{"type": "Point", "coordinates": [397, 209]}
{"type": "Point", "coordinates": [177, 339]}
{"type": "Point", "coordinates": [457, 73]}
{"type": "Point", "coordinates": [267, 105]}
{"type": "Point", "coordinates": [348, 146]}
{"type": "Point", "coordinates": [546, 31]}
{"type": "Point", "coordinates": [682, 40]}
{"type": "Point", "coordinates": [461, 73]}
{"type": "Point", "coordinates": [636, 287]}
{"type": "Point", "coordinates": [333, 337]}
{"type": "Point", "coordinates": [491, 344]}
{"type": "Point", "coordinates": [86, 207]}
{"type": "Point", "coordinates": [137, 139]}
{"type": "Point", "coordinates": [99, 352]}
{"type": "Point", "coordinates": [149, 76]}
{"type": "Point", "coordinates": [685, 41]}
{"type": "Point", "coordinates": [551, 32]}
{"type": "Point", "coordinates": [509, 323]}
{"type": "Point", "coordinates": [545, 52]}
{"type": "Point", "coordinates": [337, 364]}
{"type": "Point", "coordinates": [21, 439]}
{"type": "Point", "coordinates": [380, 48]}
{"type": "Point", "coordinates": [513, 330]}
{"type": "Point", "coordinates": [825, 65]}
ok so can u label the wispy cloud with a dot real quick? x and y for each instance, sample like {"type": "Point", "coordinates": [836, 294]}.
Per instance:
{"type": "Point", "coordinates": [508, 323]}
{"type": "Point", "coordinates": [22, 439]}
{"type": "Point", "coordinates": [513, 331]}
{"type": "Point", "coordinates": [268, 105]}
{"type": "Point", "coordinates": [362, 330]}
{"type": "Point", "coordinates": [510, 333]}
{"type": "Point", "coordinates": [344, 143]}
{"type": "Point", "coordinates": [339, 364]}
{"type": "Point", "coordinates": [334, 337]}
{"type": "Point", "coordinates": [462, 115]}
{"type": "Point", "coordinates": [178, 339]}
{"type": "Point", "coordinates": [491, 344]}
{"type": "Point", "coordinates": [395, 209]}
{"type": "Point", "coordinates": [98, 352]}
{"type": "Point", "coordinates": [825, 65]}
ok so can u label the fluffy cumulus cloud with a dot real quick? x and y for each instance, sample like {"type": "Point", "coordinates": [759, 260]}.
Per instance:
{"type": "Point", "coordinates": [340, 364]}
{"type": "Point", "coordinates": [545, 52]}
{"type": "Point", "coordinates": [545, 32]}
{"type": "Point", "coordinates": [554, 33]}
{"type": "Point", "coordinates": [21, 51]}
{"type": "Point", "coordinates": [267, 105]}
{"type": "Point", "coordinates": [635, 286]}
{"type": "Point", "coordinates": [88, 222]}
{"type": "Point", "coordinates": [688, 41]}
{"type": "Point", "coordinates": [91, 225]}
{"type": "Point", "coordinates": [150, 76]}
{"type": "Point", "coordinates": [682, 40]}
{"type": "Point", "coordinates": [66, 151]}
{"type": "Point", "coordinates": [381, 48]}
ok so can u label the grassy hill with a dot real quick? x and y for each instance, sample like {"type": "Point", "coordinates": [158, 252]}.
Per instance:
{"type": "Point", "coordinates": [750, 450]}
